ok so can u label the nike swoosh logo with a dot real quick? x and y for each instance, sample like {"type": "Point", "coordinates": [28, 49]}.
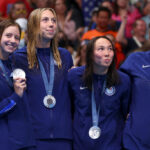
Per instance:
{"type": "Point", "coordinates": [145, 66]}
{"type": "Point", "coordinates": [82, 88]}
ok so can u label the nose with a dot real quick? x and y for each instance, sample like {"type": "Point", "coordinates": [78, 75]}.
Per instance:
{"type": "Point", "coordinates": [14, 40]}
{"type": "Point", "coordinates": [106, 52]}
{"type": "Point", "coordinates": [50, 23]}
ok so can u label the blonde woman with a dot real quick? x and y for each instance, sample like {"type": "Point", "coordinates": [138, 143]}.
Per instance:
{"type": "Point", "coordinates": [46, 67]}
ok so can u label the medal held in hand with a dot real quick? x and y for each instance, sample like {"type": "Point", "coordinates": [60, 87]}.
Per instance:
{"type": "Point", "coordinates": [18, 73]}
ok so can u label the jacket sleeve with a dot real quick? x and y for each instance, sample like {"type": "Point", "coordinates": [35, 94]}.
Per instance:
{"type": "Point", "coordinates": [7, 104]}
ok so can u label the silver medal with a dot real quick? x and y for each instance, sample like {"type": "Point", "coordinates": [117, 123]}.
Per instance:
{"type": "Point", "coordinates": [18, 73]}
{"type": "Point", "coordinates": [49, 101]}
{"type": "Point", "coordinates": [94, 132]}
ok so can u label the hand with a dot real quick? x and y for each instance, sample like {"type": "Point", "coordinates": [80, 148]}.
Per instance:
{"type": "Point", "coordinates": [124, 17]}
{"type": "Point", "coordinates": [19, 86]}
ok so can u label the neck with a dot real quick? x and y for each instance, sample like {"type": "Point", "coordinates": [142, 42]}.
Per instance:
{"type": "Point", "coordinates": [122, 10]}
{"type": "Point", "coordinates": [102, 29]}
{"type": "Point", "coordinates": [61, 17]}
{"type": "Point", "coordinates": [44, 44]}
{"type": "Point", "coordinates": [3, 55]}
{"type": "Point", "coordinates": [100, 70]}
{"type": "Point", "coordinates": [140, 38]}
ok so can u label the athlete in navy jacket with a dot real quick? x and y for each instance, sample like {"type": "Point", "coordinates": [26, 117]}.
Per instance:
{"type": "Point", "coordinates": [46, 67]}
{"type": "Point", "coordinates": [15, 124]}
{"type": "Point", "coordinates": [137, 131]}
{"type": "Point", "coordinates": [100, 96]}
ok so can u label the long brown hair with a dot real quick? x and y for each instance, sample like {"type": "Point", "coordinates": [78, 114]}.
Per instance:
{"type": "Point", "coordinates": [33, 38]}
{"type": "Point", "coordinates": [112, 75]}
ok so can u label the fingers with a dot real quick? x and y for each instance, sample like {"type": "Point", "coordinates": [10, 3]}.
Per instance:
{"type": "Point", "coordinates": [20, 83]}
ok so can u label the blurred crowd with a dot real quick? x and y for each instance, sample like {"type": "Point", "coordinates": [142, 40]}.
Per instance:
{"type": "Point", "coordinates": [125, 22]}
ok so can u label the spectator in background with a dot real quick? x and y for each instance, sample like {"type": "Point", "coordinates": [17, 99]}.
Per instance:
{"type": "Point", "coordinates": [68, 25]}
{"type": "Point", "coordinates": [6, 5]}
{"type": "Point", "coordinates": [18, 13]}
{"type": "Point", "coordinates": [18, 10]}
{"type": "Point", "coordinates": [102, 26]}
{"type": "Point", "coordinates": [81, 54]}
{"type": "Point", "coordinates": [138, 36]}
{"type": "Point", "coordinates": [42, 4]}
{"type": "Point", "coordinates": [121, 8]}
{"type": "Point", "coordinates": [146, 18]}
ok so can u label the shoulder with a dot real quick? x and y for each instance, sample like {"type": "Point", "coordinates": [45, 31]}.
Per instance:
{"type": "Point", "coordinates": [19, 57]}
{"type": "Point", "coordinates": [134, 60]}
{"type": "Point", "coordinates": [63, 51]}
{"type": "Point", "coordinates": [22, 51]}
{"type": "Point", "coordinates": [66, 57]}
{"type": "Point", "coordinates": [123, 76]}
{"type": "Point", "coordinates": [76, 72]}
{"type": "Point", "coordinates": [124, 80]}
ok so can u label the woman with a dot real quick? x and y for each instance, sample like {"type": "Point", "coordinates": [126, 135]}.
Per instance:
{"type": "Point", "coordinates": [15, 126]}
{"type": "Point", "coordinates": [137, 132]}
{"type": "Point", "coordinates": [100, 96]}
{"type": "Point", "coordinates": [121, 9]}
{"type": "Point", "coordinates": [46, 67]}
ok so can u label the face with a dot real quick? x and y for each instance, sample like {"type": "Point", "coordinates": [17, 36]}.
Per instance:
{"type": "Point", "coordinates": [122, 3]}
{"type": "Point", "coordinates": [60, 7]}
{"type": "Point", "coordinates": [103, 53]}
{"type": "Point", "coordinates": [19, 11]}
{"type": "Point", "coordinates": [48, 25]}
{"type": "Point", "coordinates": [140, 28]}
{"type": "Point", "coordinates": [108, 5]}
{"type": "Point", "coordinates": [103, 19]}
{"type": "Point", "coordinates": [41, 3]}
{"type": "Point", "coordinates": [10, 39]}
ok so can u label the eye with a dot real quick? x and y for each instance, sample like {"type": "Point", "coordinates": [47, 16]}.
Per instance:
{"type": "Point", "coordinates": [53, 20]}
{"type": "Point", "coordinates": [17, 37]}
{"type": "Point", "coordinates": [101, 48]}
{"type": "Point", "coordinates": [8, 35]}
{"type": "Point", "coordinates": [45, 19]}
{"type": "Point", "coordinates": [110, 48]}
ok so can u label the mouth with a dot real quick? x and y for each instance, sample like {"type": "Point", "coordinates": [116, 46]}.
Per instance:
{"type": "Point", "coordinates": [107, 60]}
{"type": "Point", "coordinates": [50, 31]}
{"type": "Point", "coordinates": [11, 45]}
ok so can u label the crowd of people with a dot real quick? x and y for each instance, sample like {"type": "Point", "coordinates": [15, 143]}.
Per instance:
{"type": "Point", "coordinates": [72, 82]}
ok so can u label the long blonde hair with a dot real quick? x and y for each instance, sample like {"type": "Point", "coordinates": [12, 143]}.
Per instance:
{"type": "Point", "coordinates": [33, 38]}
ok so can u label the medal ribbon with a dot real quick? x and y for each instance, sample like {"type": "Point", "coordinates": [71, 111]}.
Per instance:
{"type": "Point", "coordinates": [5, 74]}
{"type": "Point", "coordinates": [95, 113]}
{"type": "Point", "coordinates": [48, 85]}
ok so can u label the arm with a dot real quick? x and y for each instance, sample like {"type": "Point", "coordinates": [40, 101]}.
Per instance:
{"type": "Point", "coordinates": [121, 32]}
{"type": "Point", "coordinates": [126, 99]}
{"type": "Point", "coordinates": [9, 103]}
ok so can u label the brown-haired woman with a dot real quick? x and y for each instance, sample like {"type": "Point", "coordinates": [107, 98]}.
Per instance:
{"type": "Point", "coordinates": [15, 126]}
{"type": "Point", "coordinates": [100, 95]}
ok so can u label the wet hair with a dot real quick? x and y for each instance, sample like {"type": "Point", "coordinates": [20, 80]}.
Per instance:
{"type": "Point", "coordinates": [33, 38]}
{"type": "Point", "coordinates": [7, 23]}
{"type": "Point", "coordinates": [112, 74]}
{"type": "Point", "coordinates": [105, 9]}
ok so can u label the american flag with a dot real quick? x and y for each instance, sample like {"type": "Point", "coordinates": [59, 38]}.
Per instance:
{"type": "Point", "coordinates": [87, 8]}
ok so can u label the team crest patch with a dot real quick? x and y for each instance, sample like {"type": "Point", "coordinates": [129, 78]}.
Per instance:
{"type": "Point", "coordinates": [110, 91]}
